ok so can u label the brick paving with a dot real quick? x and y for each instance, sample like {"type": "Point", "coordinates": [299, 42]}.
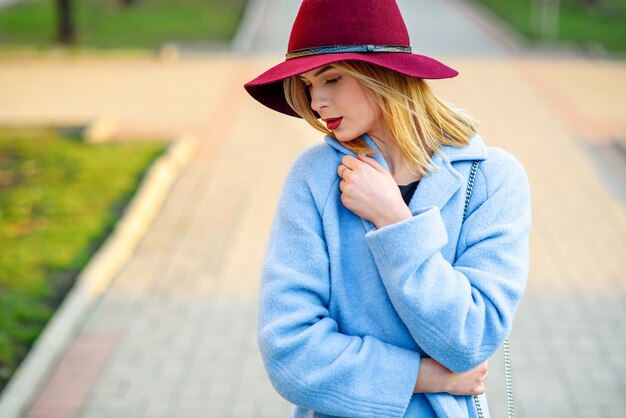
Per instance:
{"type": "Point", "coordinates": [177, 325]}
{"type": "Point", "coordinates": [71, 383]}
{"type": "Point", "coordinates": [569, 337]}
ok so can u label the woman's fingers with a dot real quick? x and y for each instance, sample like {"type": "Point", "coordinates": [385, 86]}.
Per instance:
{"type": "Point", "coordinates": [372, 162]}
{"type": "Point", "coordinates": [342, 171]}
{"type": "Point", "coordinates": [350, 162]}
{"type": "Point", "coordinates": [483, 371]}
{"type": "Point", "coordinates": [353, 164]}
{"type": "Point", "coordinates": [469, 383]}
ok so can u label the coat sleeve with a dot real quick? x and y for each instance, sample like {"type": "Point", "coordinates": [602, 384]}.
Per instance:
{"type": "Point", "coordinates": [460, 314]}
{"type": "Point", "coordinates": [309, 362]}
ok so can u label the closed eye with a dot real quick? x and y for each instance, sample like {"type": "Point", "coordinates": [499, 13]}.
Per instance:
{"type": "Point", "coordinates": [331, 81]}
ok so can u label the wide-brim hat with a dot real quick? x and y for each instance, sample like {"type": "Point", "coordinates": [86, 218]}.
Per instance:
{"type": "Point", "coordinates": [329, 31]}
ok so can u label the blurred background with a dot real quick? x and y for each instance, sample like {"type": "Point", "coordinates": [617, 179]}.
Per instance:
{"type": "Point", "coordinates": [138, 183]}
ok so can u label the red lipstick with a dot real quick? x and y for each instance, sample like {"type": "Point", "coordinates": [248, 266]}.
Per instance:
{"type": "Point", "coordinates": [333, 123]}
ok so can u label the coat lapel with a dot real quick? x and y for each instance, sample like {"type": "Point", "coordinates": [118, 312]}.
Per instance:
{"type": "Point", "coordinates": [441, 184]}
{"type": "Point", "coordinates": [381, 160]}
{"type": "Point", "coordinates": [378, 157]}
{"type": "Point", "coordinates": [438, 187]}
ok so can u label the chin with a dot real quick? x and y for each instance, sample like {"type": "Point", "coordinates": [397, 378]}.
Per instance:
{"type": "Point", "coordinates": [345, 137]}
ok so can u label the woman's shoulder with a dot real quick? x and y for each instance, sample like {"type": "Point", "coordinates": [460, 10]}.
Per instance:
{"type": "Point", "coordinates": [501, 169]}
{"type": "Point", "coordinates": [497, 168]}
{"type": "Point", "coordinates": [500, 159]}
{"type": "Point", "coordinates": [315, 168]}
{"type": "Point", "coordinates": [502, 194]}
{"type": "Point", "coordinates": [315, 158]}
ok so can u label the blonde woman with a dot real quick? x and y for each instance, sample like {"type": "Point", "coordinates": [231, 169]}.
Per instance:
{"type": "Point", "coordinates": [384, 289]}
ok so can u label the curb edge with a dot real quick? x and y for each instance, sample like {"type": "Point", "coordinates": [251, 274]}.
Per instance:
{"type": "Point", "coordinates": [94, 279]}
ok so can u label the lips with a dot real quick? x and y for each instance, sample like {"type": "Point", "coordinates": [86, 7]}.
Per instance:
{"type": "Point", "coordinates": [333, 123]}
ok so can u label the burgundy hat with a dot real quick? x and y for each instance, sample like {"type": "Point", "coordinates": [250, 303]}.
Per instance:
{"type": "Point", "coordinates": [327, 31]}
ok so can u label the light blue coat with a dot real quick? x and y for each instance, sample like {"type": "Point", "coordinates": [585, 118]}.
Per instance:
{"type": "Point", "coordinates": [347, 310]}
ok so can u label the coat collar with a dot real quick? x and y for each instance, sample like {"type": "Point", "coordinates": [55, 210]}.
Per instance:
{"type": "Point", "coordinates": [475, 150]}
{"type": "Point", "coordinates": [442, 183]}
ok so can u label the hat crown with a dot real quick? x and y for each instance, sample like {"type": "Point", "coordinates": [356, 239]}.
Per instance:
{"type": "Point", "coordinates": [322, 23]}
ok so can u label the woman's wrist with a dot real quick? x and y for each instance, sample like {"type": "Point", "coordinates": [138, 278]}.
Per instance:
{"type": "Point", "coordinates": [431, 377]}
{"type": "Point", "coordinates": [393, 216]}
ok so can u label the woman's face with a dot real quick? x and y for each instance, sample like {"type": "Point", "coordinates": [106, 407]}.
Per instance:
{"type": "Point", "coordinates": [343, 103]}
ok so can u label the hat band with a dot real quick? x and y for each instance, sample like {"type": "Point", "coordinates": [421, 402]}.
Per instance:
{"type": "Point", "coordinates": [346, 48]}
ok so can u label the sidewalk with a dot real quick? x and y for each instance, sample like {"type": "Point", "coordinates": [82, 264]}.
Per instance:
{"type": "Point", "coordinates": [174, 336]}
{"type": "Point", "coordinates": [8, 3]}
{"type": "Point", "coordinates": [436, 27]}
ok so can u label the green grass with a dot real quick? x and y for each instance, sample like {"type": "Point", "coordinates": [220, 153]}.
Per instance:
{"type": "Point", "coordinates": [108, 24]}
{"type": "Point", "coordinates": [604, 24]}
{"type": "Point", "coordinates": [59, 198]}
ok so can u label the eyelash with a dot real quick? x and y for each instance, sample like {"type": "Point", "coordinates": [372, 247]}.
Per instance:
{"type": "Point", "coordinates": [331, 81]}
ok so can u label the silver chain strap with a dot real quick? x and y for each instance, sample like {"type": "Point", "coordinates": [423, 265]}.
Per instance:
{"type": "Point", "coordinates": [470, 187]}
{"type": "Point", "coordinates": [510, 407]}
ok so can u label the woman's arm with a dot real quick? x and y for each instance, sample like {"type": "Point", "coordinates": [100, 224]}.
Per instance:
{"type": "Point", "coordinates": [308, 360]}
{"type": "Point", "coordinates": [459, 314]}
{"type": "Point", "coordinates": [435, 378]}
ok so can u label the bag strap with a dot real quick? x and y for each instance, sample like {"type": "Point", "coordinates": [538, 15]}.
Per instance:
{"type": "Point", "coordinates": [506, 348]}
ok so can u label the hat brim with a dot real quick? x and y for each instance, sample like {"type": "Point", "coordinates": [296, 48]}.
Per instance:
{"type": "Point", "coordinates": [268, 87]}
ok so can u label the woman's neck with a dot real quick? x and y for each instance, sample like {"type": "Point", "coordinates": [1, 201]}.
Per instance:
{"type": "Point", "coordinates": [398, 168]}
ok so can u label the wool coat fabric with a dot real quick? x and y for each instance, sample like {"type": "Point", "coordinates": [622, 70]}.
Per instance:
{"type": "Point", "coordinates": [347, 310]}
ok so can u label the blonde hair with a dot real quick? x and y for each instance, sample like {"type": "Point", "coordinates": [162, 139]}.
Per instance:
{"type": "Point", "coordinates": [419, 121]}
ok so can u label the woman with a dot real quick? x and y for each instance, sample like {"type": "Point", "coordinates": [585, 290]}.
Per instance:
{"type": "Point", "coordinates": [377, 298]}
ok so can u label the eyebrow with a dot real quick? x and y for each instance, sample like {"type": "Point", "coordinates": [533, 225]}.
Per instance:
{"type": "Point", "coordinates": [328, 67]}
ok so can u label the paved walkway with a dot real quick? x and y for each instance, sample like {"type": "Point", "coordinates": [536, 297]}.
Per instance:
{"type": "Point", "coordinates": [449, 27]}
{"type": "Point", "coordinates": [174, 335]}
{"type": "Point", "coordinates": [8, 3]}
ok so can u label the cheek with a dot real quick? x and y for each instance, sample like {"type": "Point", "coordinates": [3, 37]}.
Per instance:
{"type": "Point", "coordinates": [374, 114]}
{"type": "Point", "coordinates": [370, 107]}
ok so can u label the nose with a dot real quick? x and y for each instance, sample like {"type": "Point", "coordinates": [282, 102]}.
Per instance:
{"type": "Point", "coordinates": [318, 99]}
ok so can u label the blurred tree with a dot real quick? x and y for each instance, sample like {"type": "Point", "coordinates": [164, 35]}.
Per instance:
{"type": "Point", "coordinates": [600, 6]}
{"type": "Point", "coordinates": [591, 4]}
{"type": "Point", "coordinates": [66, 28]}
{"type": "Point", "coordinates": [129, 3]}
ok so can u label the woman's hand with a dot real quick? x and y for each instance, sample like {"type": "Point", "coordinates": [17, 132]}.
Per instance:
{"type": "Point", "coordinates": [433, 378]}
{"type": "Point", "coordinates": [369, 190]}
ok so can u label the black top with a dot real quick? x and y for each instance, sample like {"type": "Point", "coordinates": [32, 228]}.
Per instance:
{"type": "Point", "coordinates": [408, 190]}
